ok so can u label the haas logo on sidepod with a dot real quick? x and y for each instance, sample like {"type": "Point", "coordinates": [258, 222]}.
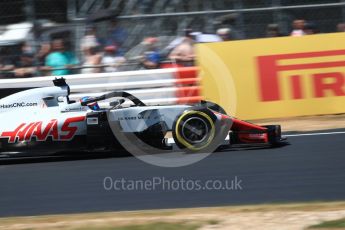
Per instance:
{"type": "Point", "coordinates": [25, 132]}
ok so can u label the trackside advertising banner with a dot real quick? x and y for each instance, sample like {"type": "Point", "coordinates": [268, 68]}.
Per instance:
{"type": "Point", "coordinates": [276, 77]}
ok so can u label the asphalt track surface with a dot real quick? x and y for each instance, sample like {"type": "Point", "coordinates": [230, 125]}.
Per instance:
{"type": "Point", "coordinates": [310, 168]}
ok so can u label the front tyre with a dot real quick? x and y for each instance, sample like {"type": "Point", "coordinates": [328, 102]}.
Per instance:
{"type": "Point", "coordinates": [211, 105]}
{"type": "Point", "coordinates": [195, 130]}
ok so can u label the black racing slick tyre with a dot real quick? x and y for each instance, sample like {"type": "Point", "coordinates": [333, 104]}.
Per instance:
{"type": "Point", "coordinates": [213, 106]}
{"type": "Point", "coordinates": [195, 130]}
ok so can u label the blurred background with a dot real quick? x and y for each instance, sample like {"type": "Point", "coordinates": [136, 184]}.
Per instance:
{"type": "Point", "coordinates": [45, 37]}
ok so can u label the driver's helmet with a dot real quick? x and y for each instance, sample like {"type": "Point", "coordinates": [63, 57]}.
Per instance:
{"type": "Point", "coordinates": [94, 105]}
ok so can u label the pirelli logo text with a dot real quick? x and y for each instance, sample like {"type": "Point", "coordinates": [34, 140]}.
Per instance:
{"type": "Point", "coordinates": [18, 105]}
{"type": "Point", "coordinates": [325, 73]}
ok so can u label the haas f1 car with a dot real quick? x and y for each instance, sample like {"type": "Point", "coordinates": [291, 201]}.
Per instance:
{"type": "Point", "coordinates": [44, 121]}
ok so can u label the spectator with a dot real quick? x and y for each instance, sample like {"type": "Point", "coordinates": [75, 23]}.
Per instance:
{"type": "Point", "coordinates": [230, 21]}
{"type": "Point", "coordinates": [298, 28]}
{"type": "Point", "coordinates": [6, 68]}
{"type": "Point", "coordinates": [184, 53]}
{"type": "Point", "coordinates": [310, 28]}
{"type": "Point", "coordinates": [111, 59]}
{"type": "Point", "coordinates": [151, 57]}
{"type": "Point", "coordinates": [25, 67]}
{"type": "Point", "coordinates": [341, 27]}
{"type": "Point", "coordinates": [60, 59]}
{"type": "Point", "coordinates": [92, 58]}
{"type": "Point", "coordinates": [90, 39]}
{"type": "Point", "coordinates": [273, 31]}
{"type": "Point", "coordinates": [117, 36]}
{"type": "Point", "coordinates": [43, 52]}
{"type": "Point", "coordinates": [6, 63]}
{"type": "Point", "coordinates": [224, 34]}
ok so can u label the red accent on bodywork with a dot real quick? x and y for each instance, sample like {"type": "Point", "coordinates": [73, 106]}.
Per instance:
{"type": "Point", "coordinates": [222, 116]}
{"type": "Point", "coordinates": [54, 132]}
{"type": "Point", "coordinates": [34, 129]}
{"type": "Point", "coordinates": [12, 134]}
{"type": "Point", "coordinates": [253, 133]}
{"type": "Point", "coordinates": [253, 137]}
{"type": "Point", "coordinates": [42, 136]}
{"type": "Point", "coordinates": [70, 130]}
{"type": "Point", "coordinates": [30, 131]}
{"type": "Point", "coordinates": [239, 125]}
{"type": "Point", "coordinates": [21, 133]}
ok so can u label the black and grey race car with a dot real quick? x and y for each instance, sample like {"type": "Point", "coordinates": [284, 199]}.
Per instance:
{"type": "Point", "coordinates": [44, 121]}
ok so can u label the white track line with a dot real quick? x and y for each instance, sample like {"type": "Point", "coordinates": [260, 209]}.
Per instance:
{"type": "Point", "coordinates": [171, 140]}
{"type": "Point", "coordinates": [313, 134]}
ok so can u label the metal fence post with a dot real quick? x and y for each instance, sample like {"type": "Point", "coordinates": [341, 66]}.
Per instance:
{"type": "Point", "coordinates": [31, 17]}
{"type": "Point", "coordinates": [343, 10]}
{"type": "Point", "coordinates": [240, 21]}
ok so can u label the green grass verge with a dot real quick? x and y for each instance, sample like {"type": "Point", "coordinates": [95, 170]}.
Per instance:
{"type": "Point", "coordinates": [330, 224]}
{"type": "Point", "coordinates": [152, 226]}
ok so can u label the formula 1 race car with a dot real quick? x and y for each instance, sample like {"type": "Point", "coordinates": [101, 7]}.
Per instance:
{"type": "Point", "coordinates": [44, 121]}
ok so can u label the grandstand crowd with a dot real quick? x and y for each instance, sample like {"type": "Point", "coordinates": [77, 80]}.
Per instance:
{"type": "Point", "coordinates": [99, 54]}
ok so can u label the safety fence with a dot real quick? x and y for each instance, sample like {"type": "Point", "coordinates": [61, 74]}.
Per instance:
{"type": "Point", "coordinates": [155, 87]}
{"type": "Point", "coordinates": [147, 18]}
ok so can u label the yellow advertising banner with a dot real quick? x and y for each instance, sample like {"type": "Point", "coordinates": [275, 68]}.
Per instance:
{"type": "Point", "coordinates": [275, 77]}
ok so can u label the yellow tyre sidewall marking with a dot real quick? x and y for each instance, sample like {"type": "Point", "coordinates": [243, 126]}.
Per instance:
{"type": "Point", "coordinates": [183, 141]}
